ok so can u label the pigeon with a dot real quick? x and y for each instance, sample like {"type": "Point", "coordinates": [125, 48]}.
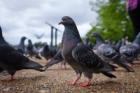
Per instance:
{"type": "Point", "coordinates": [11, 60]}
{"type": "Point", "coordinates": [21, 46]}
{"type": "Point", "coordinates": [80, 57]}
{"type": "Point", "coordinates": [99, 40]}
{"type": "Point", "coordinates": [31, 50]}
{"type": "Point", "coordinates": [49, 51]}
{"type": "Point", "coordinates": [130, 51]}
{"type": "Point", "coordinates": [108, 53]}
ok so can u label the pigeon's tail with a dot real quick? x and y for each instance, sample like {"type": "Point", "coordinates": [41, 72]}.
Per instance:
{"type": "Point", "coordinates": [108, 74]}
{"type": "Point", "coordinates": [33, 65]}
{"type": "Point", "coordinates": [108, 67]}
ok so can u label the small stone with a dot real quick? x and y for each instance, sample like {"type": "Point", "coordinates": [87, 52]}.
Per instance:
{"type": "Point", "coordinates": [6, 89]}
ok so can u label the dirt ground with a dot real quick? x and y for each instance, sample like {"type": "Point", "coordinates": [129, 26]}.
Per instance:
{"type": "Point", "coordinates": [54, 81]}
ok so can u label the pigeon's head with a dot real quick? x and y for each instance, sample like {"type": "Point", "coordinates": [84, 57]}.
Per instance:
{"type": "Point", "coordinates": [66, 20]}
{"type": "Point", "coordinates": [23, 38]}
{"type": "Point", "coordinates": [29, 41]}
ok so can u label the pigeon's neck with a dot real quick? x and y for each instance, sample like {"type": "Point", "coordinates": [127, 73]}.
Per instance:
{"type": "Point", "coordinates": [22, 42]}
{"type": "Point", "coordinates": [1, 38]}
{"type": "Point", "coordinates": [99, 40]}
{"type": "Point", "coordinates": [71, 32]}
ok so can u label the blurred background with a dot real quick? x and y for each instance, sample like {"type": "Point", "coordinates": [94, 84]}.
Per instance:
{"type": "Point", "coordinates": [36, 19]}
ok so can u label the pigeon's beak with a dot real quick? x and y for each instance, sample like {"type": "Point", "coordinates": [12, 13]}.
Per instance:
{"type": "Point", "coordinates": [61, 22]}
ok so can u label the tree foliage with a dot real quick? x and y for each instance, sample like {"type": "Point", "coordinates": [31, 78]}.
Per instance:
{"type": "Point", "coordinates": [113, 22]}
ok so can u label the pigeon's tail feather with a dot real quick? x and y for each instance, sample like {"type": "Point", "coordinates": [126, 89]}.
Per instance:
{"type": "Point", "coordinates": [108, 74]}
{"type": "Point", "coordinates": [34, 65]}
{"type": "Point", "coordinates": [108, 67]}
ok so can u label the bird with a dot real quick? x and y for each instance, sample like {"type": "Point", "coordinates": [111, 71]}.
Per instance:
{"type": "Point", "coordinates": [102, 48]}
{"type": "Point", "coordinates": [130, 51]}
{"type": "Point", "coordinates": [11, 60]}
{"type": "Point", "coordinates": [39, 36]}
{"type": "Point", "coordinates": [21, 46]}
{"type": "Point", "coordinates": [108, 53]}
{"type": "Point", "coordinates": [31, 51]}
{"type": "Point", "coordinates": [48, 51]}
{"type": "Point", "coordinates": [81, 58]}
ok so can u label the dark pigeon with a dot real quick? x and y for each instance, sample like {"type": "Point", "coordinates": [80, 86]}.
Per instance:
{"type": "Point", "coordinates": [32, 51]}
{"type": "Point", "coordinates": [21, 46]}
{"type": "Point", "coordinates": [108, 53]}
{"type": "Point", "coordinates": [11, 60]}
{"type": "Point", "coordinates": [49, 51]}
{"type": "Point", "coordinates": [130, 51]}
{"type": "Point", "coordinates": [81, 58]}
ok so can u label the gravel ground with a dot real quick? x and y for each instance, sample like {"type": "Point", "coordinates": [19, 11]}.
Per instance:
{"type": "Point", "coordinates": [54, 81]}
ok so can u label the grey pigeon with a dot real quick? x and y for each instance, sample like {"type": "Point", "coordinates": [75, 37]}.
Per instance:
{"type": "Point", "coordinates": [49, 51]}
{"type": "Point", "coordinates": [21, 46]}
{"type": "Point", "coordinates": [108, 53]}
{"type": "Point", "coordinates": [32, 51]}
{"type": "Point", "coordinates": [11, 60]}
{"type": "Point", "coordinates": [130, 51]}
{"type": "Point", "coordinates": [80, 57]}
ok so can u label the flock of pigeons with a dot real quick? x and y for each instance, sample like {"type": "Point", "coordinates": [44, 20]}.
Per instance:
{"type": "Point", "coordinates": [83, 57]}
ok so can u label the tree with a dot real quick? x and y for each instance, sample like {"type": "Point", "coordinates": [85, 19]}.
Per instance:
{"type": "Point", "coordinates": [113, 22]}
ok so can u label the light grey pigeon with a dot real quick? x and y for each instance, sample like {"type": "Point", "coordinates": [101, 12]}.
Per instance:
{"type": "Point", "coordinates": [108, 53]}
{"type": "Point", "coordinates": [79, 56]}
{"type": "Point", "coordinates": [130, 51]}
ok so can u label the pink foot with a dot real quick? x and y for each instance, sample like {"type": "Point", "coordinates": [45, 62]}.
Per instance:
{"type": "Point", "coordinates": [84, 84]}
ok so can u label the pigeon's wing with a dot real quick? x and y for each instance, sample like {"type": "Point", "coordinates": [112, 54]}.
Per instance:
{"type": "Point", "coordinates": [10, 55]}
{"type": "Point", "coordinates": [85, 56]}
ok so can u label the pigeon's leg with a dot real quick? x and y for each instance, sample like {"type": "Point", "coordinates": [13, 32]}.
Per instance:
{"type": "Point", "coordinates": [87, 82]}
{"type": "Point", "coordinates": [8, 80]}
{"type": "Point", "coordinates": [63, 65]}
{"type": "Point", "coordinates": [73, 82]}
{"type": "Point", "coordinates": [12, 78]}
